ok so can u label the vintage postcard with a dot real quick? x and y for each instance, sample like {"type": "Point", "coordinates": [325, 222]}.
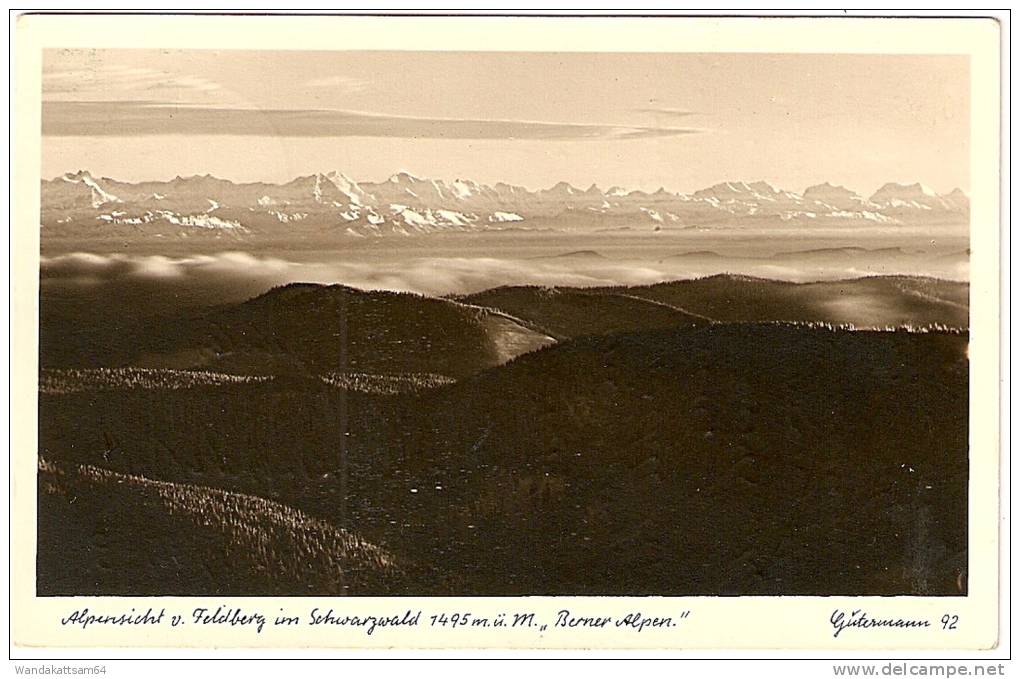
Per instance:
{"type": "Point", "coordinates": [452, 332]}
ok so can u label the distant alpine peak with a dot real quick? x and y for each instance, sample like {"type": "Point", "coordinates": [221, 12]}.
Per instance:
{"type": "Point", "coordinates": [96, 195]}
{"type": "Point", "coordinates": [958, 200]}
{"type": "Point", "coordinates": [464, 188]}
{"type": "Point", "coordinates": [738, 190]}
{"type": "Point", "coordinates": [827, 190]}
{"type": "Point", "coordinates": [762, 187]}
{"type": "Point", "coordinates": [198, 180]}
{"type": "Point", "coordinates": [562, 188]}
{"type": "Point", "coordinates": [827, 187]}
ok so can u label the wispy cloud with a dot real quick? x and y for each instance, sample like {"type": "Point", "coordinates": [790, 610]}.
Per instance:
{"type": "Point", "coordinates": [111, 81]}
{"type": "Point", "coordinates": [124, 118]}
{"type": "Point", "coordinates": [338, 83]}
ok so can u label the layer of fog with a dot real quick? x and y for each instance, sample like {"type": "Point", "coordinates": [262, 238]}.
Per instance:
{"type": "Point", "coordinates": [228, 276]}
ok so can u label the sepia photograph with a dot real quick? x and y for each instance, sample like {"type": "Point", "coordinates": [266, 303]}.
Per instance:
{"type": "Point", "coordinates": [409, 323]}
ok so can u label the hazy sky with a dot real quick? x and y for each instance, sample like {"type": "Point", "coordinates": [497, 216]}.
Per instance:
{"type": "Point", "coordinates": [682, 121]}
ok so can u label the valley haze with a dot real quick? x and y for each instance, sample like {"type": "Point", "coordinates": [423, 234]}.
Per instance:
{"type": "Point", "coordinates": [309, 384]}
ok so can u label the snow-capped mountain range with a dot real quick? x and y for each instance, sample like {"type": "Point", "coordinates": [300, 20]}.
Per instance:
{"type": "Point", "coordinates": [81, 205]}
